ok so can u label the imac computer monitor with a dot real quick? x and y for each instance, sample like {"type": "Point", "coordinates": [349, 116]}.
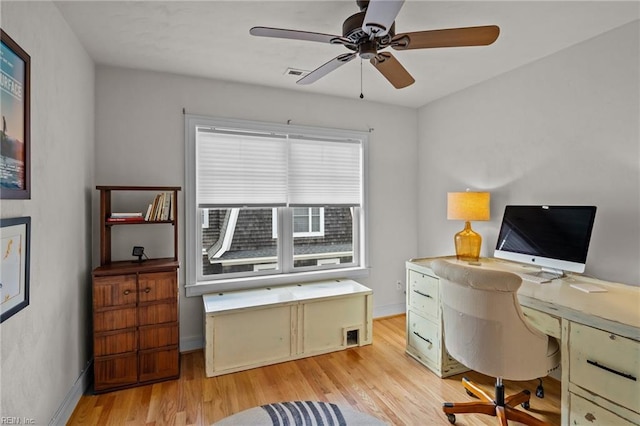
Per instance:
{"type": "Point", "coordinates": [556, 238]}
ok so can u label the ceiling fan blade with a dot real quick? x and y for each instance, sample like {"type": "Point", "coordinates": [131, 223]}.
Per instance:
{"type": "Point", "coordinates": [392, 70]}
{"type": "Point", "coordinates": [452, 37]}
{"type": "Point", "coordinates": [380, 16]}
{"type": "Point", "coordinates": [298, 35]}
{"type": "Point", "coordinates": [325, 69]}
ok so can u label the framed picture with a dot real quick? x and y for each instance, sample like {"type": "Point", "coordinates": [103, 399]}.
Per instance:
{"type": "Point", "coordinates": [15, 171]}
{"type": "Point", "coordinates": [14, 271]}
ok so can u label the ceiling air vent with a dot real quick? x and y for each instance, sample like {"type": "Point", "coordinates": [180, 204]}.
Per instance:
{"type": "Point", "coordinates": [296, 72]}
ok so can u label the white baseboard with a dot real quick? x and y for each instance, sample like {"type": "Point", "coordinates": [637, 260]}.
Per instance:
{"type": "Point", "coordinates": [192, 343]}
{"type": "Point", "coordinates": [388, 310]}
{"type": "Point", "coordinates": [62, 416]}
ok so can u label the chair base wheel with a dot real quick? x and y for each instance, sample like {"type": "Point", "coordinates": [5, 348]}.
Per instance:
{"type": "Point", "coordinates": [525, 405]}
{"type": "Point", "coordinates": [471, 394]}
{"type": "Point", "coordinates": [451, 418]}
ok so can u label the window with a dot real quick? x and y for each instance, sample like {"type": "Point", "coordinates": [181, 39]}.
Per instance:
{"type": "Point", "coordinates": [270, 204]}
{"type": "Point", "coordinates": [308, 222]}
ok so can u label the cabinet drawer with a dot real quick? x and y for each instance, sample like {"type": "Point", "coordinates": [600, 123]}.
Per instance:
{"type": "Point", "coordinates": [424, 336]}
{"type": "Point", "coordinates": [157, 336]}
{"type": "Point", "coordinates": [114, 342]}
{"type": "Point", "coordinates": [157, 313]}
{"type": "Point", "coordinates": [115, 371]}
{"type": "Point", "coordinates": [544, 322]}
{"type": "Point", "coordinates": [606, 364]}
{"type": "Point", "coordinates": [114, 319]}
{"type": "Point", "coordinates": [114, 290]}
{"type": "Point", "coordinates": [586, 413]}
{"type": "Point", "coordinates": [157, 286]}
{"type": "Point", "coordinates": [159, 364]}
{"type": "Point", "coordinates": [424, 294]}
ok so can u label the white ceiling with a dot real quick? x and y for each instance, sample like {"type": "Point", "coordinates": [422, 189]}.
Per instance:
{"type": "Point", "coordinates": [211, 39]}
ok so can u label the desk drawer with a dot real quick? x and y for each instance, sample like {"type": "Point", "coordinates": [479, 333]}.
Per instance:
{"type": "Point", "coordinates": [424, 294]}
{"type": "Point", "coordinates": [586, 413]}
{"type": "Point", "coordinates": [606, 364]}
{"type": "Point", "coordinates": [544, 322]}
{"type": "Point", "coordinates": [423, 335]}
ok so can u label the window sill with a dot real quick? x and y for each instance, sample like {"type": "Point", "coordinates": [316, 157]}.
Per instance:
{"type": "Point", "coordinates": [198, 289]}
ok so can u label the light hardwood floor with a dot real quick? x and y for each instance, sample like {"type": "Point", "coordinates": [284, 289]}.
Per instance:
{"type": "Point", "coordinates": [379, 379]}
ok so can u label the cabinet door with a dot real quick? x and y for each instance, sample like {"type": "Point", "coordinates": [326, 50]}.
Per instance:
{"type": "Point", "coordinates": [114, 342]}
{"type": "Point", "coordinates": [115, 371]}
{"type": "Point", "coordinates": [113, 291]}
{"type": "Point", "coordinates": [157, 336]}
{"type": "Point", "coordinates": [157, 286]}
{"type": "Point", "coordinates": [159, 364]}
{"type": "Point", "coordinates": [253, 337]}
{"type": "Point", "coordinates": [327, 322]}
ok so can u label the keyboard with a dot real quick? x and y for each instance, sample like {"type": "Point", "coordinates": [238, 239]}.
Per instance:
{"type": "Point", "coordinates": [535, 277]}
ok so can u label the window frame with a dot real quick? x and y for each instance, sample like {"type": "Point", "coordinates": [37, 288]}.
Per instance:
{"type": "Point", "coordinates": [197, 285]}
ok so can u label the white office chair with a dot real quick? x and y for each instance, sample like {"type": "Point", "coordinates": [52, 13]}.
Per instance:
{"type": "Point", "coordinates": [485, 330]}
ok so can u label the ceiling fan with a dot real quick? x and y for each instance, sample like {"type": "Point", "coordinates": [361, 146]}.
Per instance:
{"type": "Point", "coordinates": [371, 30]}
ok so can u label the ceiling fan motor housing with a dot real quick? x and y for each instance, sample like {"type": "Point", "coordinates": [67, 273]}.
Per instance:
{"type": "Point", "coordinates": [363, 43]}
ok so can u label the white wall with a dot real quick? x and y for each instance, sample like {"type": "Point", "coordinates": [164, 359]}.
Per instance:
{"type": "Point", "coordinates": [45, 346]}
{"type": "Point", "coordinates": [140, 141]}
{"type": "Point", "coordinates": [563, 130]}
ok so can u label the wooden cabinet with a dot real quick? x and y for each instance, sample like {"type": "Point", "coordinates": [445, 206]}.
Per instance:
{"type": "Point", "coordinates": [251, 328]}
{"type": "Point", "coordinates": [135, 309]}
{"type": "Point", "coordinates": [425, 330]}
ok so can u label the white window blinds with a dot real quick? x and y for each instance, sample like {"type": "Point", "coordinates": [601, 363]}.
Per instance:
{"type": "Point", "coordinates": [236, 169]}
{"type": "Point", "coordinates": [324, 172]}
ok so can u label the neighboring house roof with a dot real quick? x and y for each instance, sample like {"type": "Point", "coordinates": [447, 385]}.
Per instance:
{"type": "Point", "coordinates": [252, 237]}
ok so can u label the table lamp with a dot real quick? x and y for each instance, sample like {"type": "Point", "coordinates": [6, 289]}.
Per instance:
{"type": "Point", "coordinates": [468, 206]}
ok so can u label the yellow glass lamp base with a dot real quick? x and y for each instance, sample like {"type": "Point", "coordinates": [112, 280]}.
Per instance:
{"type": "Point", "coordinates": [468, 243]}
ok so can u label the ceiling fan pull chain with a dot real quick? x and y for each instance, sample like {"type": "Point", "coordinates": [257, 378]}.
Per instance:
{"type": "Point", "coordinates": [361, 95]}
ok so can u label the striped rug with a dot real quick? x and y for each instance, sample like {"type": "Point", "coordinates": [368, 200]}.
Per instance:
{"type": "Point", "coordinates": [300, 413]}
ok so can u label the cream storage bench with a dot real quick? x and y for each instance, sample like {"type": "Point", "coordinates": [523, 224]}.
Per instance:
{"type": "Point", "coordinates": [251, 328]}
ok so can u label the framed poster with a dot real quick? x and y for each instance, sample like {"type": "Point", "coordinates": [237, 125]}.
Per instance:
{"type": "Point", "coordinates": [15, 171]}
{"type": "Point", "coordinates": [14, 270]}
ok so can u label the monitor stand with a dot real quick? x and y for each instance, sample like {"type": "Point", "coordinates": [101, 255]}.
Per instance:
{"type": "Point", "coordinates": [548, 273]}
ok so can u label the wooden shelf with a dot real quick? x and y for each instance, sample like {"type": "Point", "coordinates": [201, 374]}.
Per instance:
{"type": "Point", "coordinates": [106, 210]}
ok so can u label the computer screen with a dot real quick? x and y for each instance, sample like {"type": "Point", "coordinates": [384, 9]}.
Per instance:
{"type": "Point", "coordinates": [556, 238]}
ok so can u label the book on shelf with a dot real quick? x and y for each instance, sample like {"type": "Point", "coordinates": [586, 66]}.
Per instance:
{"type": "Point", "coordinates": [161, 209]}
{"type": "Point", "coordinates": [125, 215]}
{"type": "Point", "coordinates": [166, 206]}
{"type": "Point", "coordinates": [134, 219]}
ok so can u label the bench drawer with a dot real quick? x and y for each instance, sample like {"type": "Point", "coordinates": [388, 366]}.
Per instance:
{"type": "Point", "coordinates": [605, 364]}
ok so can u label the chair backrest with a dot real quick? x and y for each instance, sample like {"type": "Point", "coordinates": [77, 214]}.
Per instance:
{"type": "Point", "coordinates": [484, 327]}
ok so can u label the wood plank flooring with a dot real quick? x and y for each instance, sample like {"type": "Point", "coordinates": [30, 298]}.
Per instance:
{"type": "Point", "coordinates": [380, 379]}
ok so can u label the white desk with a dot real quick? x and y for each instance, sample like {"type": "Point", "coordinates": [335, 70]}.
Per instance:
{"type": "Point", "coordinates": [595, 328]}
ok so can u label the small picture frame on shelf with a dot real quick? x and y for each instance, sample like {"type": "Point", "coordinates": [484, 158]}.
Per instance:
{"type": "Point", "coordinates": [14, 271]}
